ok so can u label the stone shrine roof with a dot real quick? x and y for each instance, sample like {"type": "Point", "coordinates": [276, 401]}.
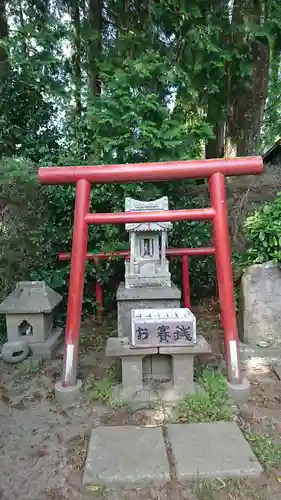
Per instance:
{"type": "Point", "coordinates": [161, 204]}
{"type": "Point", "coordinates": [148, 227]}
{"type": "Point", "coordinates": [33, 297]}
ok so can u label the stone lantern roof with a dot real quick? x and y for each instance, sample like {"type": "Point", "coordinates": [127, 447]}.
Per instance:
{"type": "Point", "coordinates": [30, 297]}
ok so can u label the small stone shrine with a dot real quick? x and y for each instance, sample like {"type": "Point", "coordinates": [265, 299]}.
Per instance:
{"type": "Point", "coordinates": [148, 265]}
{"type": "Point", "coordinates": [29, 316]}
{"type": "Point", "coordinates": [157, 340]}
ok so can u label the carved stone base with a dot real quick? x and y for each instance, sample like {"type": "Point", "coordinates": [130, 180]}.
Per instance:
{"type": "Point", "coordinates": [135, 391]}
{"type": "Point", "coordinates": [143, 281]}
{"type": "Point", "coordinates": [48, 349]}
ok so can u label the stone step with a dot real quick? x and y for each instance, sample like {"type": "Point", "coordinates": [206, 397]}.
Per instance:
{"type": "Point", "coordinates": [132, 456]}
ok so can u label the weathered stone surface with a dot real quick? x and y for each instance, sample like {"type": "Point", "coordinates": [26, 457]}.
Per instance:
{"type": "Point", "coordinates": [201, 347]}
{"type": "Point", "coordinates": [30, 297]}
{"type": "Point", "coordinates": [239, 392]}
{"type": "Point", "coordinates": [143, 298]}
{"type": "Point", "coordinates": [34, 327]}
{"type": "Point", "coordinates": [155, 367]}
{"type": "Point", "coordinates": [162, 327]}
{"type": "Point", "coordinates": [216, 449]}
{"type": "Point", "coordinates": [148, 265]}
{"type": "Point", "coordinates": [126, 456]}
{"type": "Point", "coordinates": [148, 294]}
{"type": "Point", "coordinates": [260, 312]}
{"type": "Point", "coordinates": [29, 317]}
{"type": "Point", "coordinates": [142, 367]}
{"type": "Point", "coordinates": [120, 346]}
{"type": "Point", "coordinates": [47, 349]}
{"type": "Point", "coordinates": [14, 352]}
{"type": "Point", "coordinates": [67, 395]}
{"type": "Point", "coordinates": [132, 205]}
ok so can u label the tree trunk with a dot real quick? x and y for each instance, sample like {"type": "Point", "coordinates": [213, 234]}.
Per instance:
{"type": "Point", "coordinates": [215, 147]}
{"type": "Point", "coordinates": [218, 14]}
{"type": "Point", "coordinates": [230, 147]}
{"type": "Point", "coordinates": [4, 61]}
{"type": "Point", "coordinates": [21, 19]}
{"type": "Point", "coordinates": [250, 109]}
{"type": "Point", "coordinates": [76, 54]}
{"type": "Point", "coordinates": [94, 50]}
{"type": "Point", "coordinates": [246, 94]}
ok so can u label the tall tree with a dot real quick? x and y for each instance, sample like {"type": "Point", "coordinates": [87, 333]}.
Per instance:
{"type": "Point", "coordinates": [76, 43]}
{"type": "Point", "coordinates": [4, 61]}
{"type": "Point", "coordinates": [94, 45]}
{"type": "Point", "coordinates": [248, 77]}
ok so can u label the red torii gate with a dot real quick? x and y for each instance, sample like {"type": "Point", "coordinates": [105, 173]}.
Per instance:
{"type": "Point", "coordinates": [84, 176]}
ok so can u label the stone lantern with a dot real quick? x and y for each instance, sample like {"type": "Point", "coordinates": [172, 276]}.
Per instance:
{"type": "Point", "coordinates": [148, 265]}
{"type": "Point", "coordinates": [29, 316]}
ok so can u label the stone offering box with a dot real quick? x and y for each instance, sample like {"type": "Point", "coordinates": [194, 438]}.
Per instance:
{"type": "Point", "coordinates": [163, 327]}
{"type": "Point", "coordinates": [29, 316]}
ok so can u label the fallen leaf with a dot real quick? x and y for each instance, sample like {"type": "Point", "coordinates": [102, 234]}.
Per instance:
{"type": "Point", "coordinates": [94, 487]}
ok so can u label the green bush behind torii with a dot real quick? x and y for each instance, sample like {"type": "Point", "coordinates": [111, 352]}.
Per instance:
{"type": "Point", "coordinates": [263, 230]}
{"type": "Point", "coordinates": [38, 224]}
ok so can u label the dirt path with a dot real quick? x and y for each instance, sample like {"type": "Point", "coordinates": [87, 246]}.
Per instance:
{"type": "Point", "coordinates": [43, 447]}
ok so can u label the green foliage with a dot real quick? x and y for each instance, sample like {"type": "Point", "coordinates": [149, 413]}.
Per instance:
{"type": "Point", "coordinates": [23, 210]}
{"type": "Point", "coordinates": [266, 447]}
{"type": "Point", "coordinates": [25, 116]}
{"type": "Point", "coordinates": [208, 404]}
{"type": "Point", "coordinates": [263, 229]}
{"type": "Point", "coordinates": [271, 130]}
{"type": "Point", "coordinates": [148, 130]}
{"type": "Point", "coordinates": [101, 389]}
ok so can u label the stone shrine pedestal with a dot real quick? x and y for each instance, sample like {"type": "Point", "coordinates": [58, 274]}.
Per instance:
{"type": "Point", "coordinates": [150, 297]}
{"type": "Point", "coordinates": [156, 367]}
{"type": "Point", "coordinates": [136, 390]}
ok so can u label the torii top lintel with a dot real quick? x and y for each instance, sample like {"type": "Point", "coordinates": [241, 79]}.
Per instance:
{"type": "Point", "coordinates": [151, 172]}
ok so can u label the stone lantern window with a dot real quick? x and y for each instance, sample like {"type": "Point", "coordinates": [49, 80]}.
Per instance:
{"type": "Point", "coordinates": [25, 329]}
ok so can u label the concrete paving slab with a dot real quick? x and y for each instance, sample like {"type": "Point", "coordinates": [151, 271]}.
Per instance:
{"type": "Point", "coordinates": [216, 449]}
{"type": "Point", "coordinates": [126, 456]}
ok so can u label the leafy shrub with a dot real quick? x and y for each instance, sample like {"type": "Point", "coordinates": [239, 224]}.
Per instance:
{"type": "Point", "coordinates": [263, 230]}
{"type": "Point", "coordinates": [23, 209]}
